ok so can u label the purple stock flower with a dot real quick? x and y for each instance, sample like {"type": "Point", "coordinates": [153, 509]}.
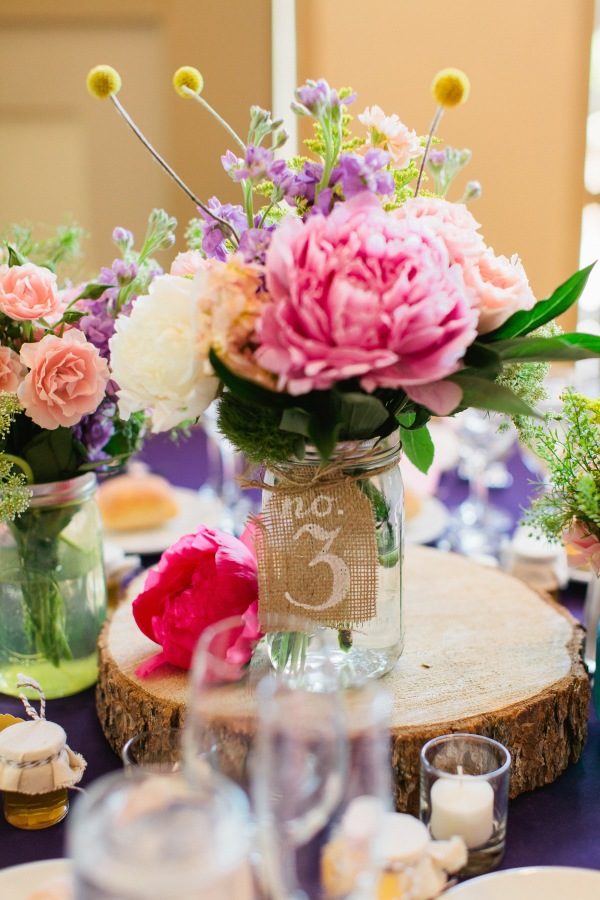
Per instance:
{"type": "Point", "coordinates": [305, 181]}
{"type": "Point", "coordinates": [95, 431]}
{"type": "Point", "coordinates": [254, 243]}
{"type": "Point", "coordinates": [437, 158]}
{"type": "Point", "coordinates": [364, 173]}
{"type": "Point", "coordinates": [317, 96]}
{"type": "Point", "coordinates": [122, 237]}
{"type": "Point", "coordinates": [255, 166]}
{"type": "Point", "coordinates": [124, 272]}
{"type": "Point", "coordinates": [213, 240]}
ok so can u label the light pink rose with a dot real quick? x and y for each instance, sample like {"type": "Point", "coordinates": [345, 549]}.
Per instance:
{"type": "Point", "coordinates": [500, 288]}
{"type": "Point", "coordinates": [12, 371]}
{"type": "Point", "coordinates": [188, 263]}
{"type": "Point", "coordinates": [362, 294]}
{"type": "Point", "coordinates": [578, 535]}
{"type": "Point", "coordinates": [28, 292]}
{"type": "Point", "coordinates": [451, 221]}
{"type": "Point", "coordinates": [67, 379]}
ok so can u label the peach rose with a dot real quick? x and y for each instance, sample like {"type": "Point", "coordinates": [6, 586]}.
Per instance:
{"type": "Point", "coordinates": [67, 379]}
{"type": "Point", "coordinates": [188, 263]}
{"type": "Point", "coordinates": [11, 370]}
{"type": "Point", "coordinates": [586, 545]}
{"type": "Point", "coordinates": [499, 286]}
{"type": "Point", "coordinates": [28, 292]}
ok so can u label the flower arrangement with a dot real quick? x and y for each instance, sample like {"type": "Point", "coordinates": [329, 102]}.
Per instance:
{"type": "Point", "coordinates": [345, 297]}
{"type": "Point", "coordinates": [569, 505]}
{"type": "Point", "coordinates": [58, 400]}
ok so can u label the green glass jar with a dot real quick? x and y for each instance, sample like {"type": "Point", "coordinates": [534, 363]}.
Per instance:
{"type": "Point", "coordinates": [52, 589]}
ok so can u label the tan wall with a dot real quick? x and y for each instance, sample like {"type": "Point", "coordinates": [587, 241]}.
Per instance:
{"type": "Point", "coordinates": [525, 121]}
{"type": "Point", "coordinates": [63, 154]}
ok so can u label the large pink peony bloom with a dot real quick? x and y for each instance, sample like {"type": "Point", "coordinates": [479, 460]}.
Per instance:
{"type": "Point", "coordinates": [67, 379]}
{"type": "Point", "coordinates": [500, 288]}
{"type": "Point", "coordinates": [362, 294]}
{"type": "Point", "coordinates": [587, 546]}
{"type": "Point", "coordinates": [12, 371]}
{"type": "Point", "coordinates": [451, 221]}
{"type": "Point", "coordinates": [202, 579]}
{"type": "Point", "coordinates": [29, 292]}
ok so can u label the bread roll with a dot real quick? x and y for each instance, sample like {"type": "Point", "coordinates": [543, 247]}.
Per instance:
{"type": "Point", "coordinates": [136, 502]}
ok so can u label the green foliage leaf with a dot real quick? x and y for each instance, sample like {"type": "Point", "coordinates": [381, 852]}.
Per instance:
{"type": "Point", "coordinates": [418, 446]}
{"type": "Point", "coordinates": [249, 390]}
{"type": "Point", "coordinates": [406, 419]}
{"type": "Point", "coordinates": [525, 321]}
{"type": "Point", "coordinates": [92, 291]}
{"type": "Point", "coordinates": [52, 455]}
{"type": "Point", "coordinates": [483, 393]}
{"type": "Point", "coordinates": [361, 415]}
{"type": "Point", "coordinates": [481, 357]}
{"type": "Point", "coordinates": [73, 315]}
{"type": "Point", "coordinates": [295, 420]}
{"type": "Point", "coordinates": [562, 347]}
{"type": "Point", "coordinates": [15, 258]}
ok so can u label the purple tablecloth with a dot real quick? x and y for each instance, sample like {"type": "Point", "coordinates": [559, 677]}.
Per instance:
{"type": "Point", "coordinates": [555, 825]}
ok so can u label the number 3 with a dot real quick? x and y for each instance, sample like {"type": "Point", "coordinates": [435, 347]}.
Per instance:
{"type": "Point", "coordinates": [339, 569]}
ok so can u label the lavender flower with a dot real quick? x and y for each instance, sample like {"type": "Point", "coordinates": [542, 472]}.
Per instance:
{"type": "Point", "coordinates": [364, 173]}
{"type": "Point", "coordinates": [213, 239]}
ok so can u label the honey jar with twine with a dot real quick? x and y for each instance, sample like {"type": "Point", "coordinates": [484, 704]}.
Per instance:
{"type": "Point", "coordinates": [36, 767]}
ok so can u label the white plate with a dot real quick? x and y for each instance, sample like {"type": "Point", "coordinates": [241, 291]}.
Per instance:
{"type": "Point", "coordinates": [19, 882]}
{"type": "Point", "coordinates": [194, 510]}
{"type": "Point", "coordinates": [429, 524]}
{"type": "Point", "coordinates": [543, 882]}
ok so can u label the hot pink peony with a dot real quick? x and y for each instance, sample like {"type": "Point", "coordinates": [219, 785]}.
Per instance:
{"type": "Point", "coordinates": [451, 221]}
{"type": "Point", "coordinates": [12, 371]}
{"type": "Point", "coordinates": [29, 292]}
{"type": "Point", "coordinates": [67, 379]}
{"type": "Point", "coordinates": [586, 544]}
{"type": "Point", "coordinates": [500, 288]}
{"type": "Point", "coordinates": [362, 294]}
{"type": "Point", "coordinates": [202, 579]}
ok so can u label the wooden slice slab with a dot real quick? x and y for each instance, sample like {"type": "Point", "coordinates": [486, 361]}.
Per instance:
{"type": "Point", "coordinates": [484, 653]}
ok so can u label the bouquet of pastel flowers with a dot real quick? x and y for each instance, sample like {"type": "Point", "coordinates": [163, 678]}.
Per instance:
{"type": "Point", "coordinates": [58, 409]}
{"type": "Point", "coordinates": [343, 302]}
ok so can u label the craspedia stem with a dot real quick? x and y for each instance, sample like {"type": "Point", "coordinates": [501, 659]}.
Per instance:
{"type": "Point", "coordinates": [194, 95]}
{"type": "Point", "coordinates": [434, 124]}
{"type": "Point", "coordinates": [162, 162]}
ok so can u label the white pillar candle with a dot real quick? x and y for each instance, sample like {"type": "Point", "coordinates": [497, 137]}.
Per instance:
{"type": "Point", "coordinates": [464, 807]}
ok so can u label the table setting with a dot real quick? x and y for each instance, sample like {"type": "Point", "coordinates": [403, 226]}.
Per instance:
{"type": "Point", "coordinates": [300, 576]}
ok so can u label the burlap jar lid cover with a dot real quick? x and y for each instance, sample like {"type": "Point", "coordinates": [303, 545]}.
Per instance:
{"type": "Point", "coordinates": [34, 756]}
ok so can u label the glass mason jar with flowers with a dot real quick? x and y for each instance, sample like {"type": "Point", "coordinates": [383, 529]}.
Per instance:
{"type": "Point", "coordinates": [333, 312]}
{"type": "Point", "coordinates": [58, 424]}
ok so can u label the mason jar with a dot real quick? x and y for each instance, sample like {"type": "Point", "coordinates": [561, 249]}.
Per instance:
{"type": "Point", "coordinates": [52, 589]}
{"type": "Point", "coordinates": [330, 552]}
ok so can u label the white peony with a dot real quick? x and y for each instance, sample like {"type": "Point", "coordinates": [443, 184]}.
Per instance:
{"type": "Point", "coordinates": [159, 355]}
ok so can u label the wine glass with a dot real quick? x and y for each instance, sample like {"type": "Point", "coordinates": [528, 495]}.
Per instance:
{"type": "Point", "coordinates": [229, 463]}
{"type": "Point", "coordinates": [150, 837]}
{"type": "Point", "coordinates": [477, 527]}
{"type": "Point", "coordinates": [320, 786]}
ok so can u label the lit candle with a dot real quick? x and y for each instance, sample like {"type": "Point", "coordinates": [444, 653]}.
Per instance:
{"type": "Point", "coordinates": [464, 807]}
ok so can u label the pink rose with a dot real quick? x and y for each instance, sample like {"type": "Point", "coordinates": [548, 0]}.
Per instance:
{"type": "Point", "coordinates": [188, 263]}
{"type": "Point", "coordinates": [12, 371]}
{"type": "Point", "coordinates": [578, 535]}
{"type": "Point", "coordinates": [500, 288]}
{"type": "Point", "coordinates": [67, 379]}
{"type": "Point", "coordinates": [362, 294]}
{"type": "Point", "coordinates": [202, 579]}
{"type": "Point", "coordinates": [28, 292]}
{"type": "Point", "coordinates": [451, 221]}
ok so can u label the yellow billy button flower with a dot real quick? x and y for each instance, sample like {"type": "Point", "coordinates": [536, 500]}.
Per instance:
{"type": "Point", "coordinates": [190, 78]}
{"type": "Point", "coordinates": [103, 82]}
{"type": "Point", "coordinates": [450, 87]}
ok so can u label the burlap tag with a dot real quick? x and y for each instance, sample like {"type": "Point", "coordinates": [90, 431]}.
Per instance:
{"type": "Point", "coordinates": [317, 556]}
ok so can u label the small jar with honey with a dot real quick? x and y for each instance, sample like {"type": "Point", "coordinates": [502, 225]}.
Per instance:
{"type": "Point", "coordinates": [36, 769]}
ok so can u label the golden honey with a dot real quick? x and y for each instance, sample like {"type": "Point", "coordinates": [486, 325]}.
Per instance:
{"type": "Point", "coordinates": [33, 811]}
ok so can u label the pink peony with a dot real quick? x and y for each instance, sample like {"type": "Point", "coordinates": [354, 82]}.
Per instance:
{"type": "Point", "coordinates": [29, 292]}
{"type": "Point", "coordinates": [451, 221]}
{"type": "Point", "coordinates": [500, 288]}
{"type": "Point", "coordinates": [188, 263]}
{"type": "Point", "coordinates": [67, 379]}
{"type": "Point", "coordinates": [12, 371]}
{"type": "Point", "coordinates": [202, 579]}
{"type": "Point", "coordinates": [586, 544]}
{"type": "Point", "coordinates": [362, 294]}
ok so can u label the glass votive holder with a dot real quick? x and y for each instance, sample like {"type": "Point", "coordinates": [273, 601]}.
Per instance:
{"type": "Point", "coordinates": [154, 751]}
{"type": "Point", "coordinates": [464, 791]}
